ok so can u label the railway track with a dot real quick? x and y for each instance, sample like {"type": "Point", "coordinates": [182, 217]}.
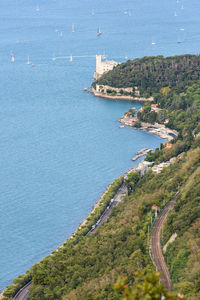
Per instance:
{"type": "Point", "coordinates": [156, 249]}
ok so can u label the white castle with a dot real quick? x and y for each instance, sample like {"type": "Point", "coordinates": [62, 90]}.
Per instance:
{"type": "Point", "coordinates": [103, 66]}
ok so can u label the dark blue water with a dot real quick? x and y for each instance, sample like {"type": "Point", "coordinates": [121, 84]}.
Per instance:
{"type": "Point", "coordinates": [60, 147]}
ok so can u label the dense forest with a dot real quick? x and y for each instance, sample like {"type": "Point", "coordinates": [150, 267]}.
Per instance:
{"type": "Point", "coordinates": [150, 74]}
{"type": "Point", "coordinates": [114, 262]}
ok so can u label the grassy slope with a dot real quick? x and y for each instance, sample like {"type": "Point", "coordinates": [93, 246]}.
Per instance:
{"type": "Point", "coordinates": [183, 255]}
{"type": "Point", "coordinates": [89, 269]}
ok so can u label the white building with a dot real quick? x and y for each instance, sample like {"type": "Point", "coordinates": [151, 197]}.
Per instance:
{"type": "Point", "coordinates": [103, 66]}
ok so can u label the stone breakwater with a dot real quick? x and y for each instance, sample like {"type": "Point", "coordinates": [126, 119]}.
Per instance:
{"type": "Point", "coordinates": [122, 97]}
{"type": "Point", "coordinates": [158, 129]}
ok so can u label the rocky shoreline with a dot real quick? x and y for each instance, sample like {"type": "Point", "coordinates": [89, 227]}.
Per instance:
{"type": "Point", "coordinates": [159, 129]}
{"type": "Point", "coordinates": [96, 205]}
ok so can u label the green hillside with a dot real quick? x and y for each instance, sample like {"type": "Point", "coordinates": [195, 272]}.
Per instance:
{"type": "Point", "coordinates": [150, 74]}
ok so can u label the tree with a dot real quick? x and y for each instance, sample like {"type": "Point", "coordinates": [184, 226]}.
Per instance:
{"type": "Point", "coordinates": [137, 124]}
{"type": "Point", "coordinates": [132, 180]}
{"type": "Point", "coordinates": [149, 289]}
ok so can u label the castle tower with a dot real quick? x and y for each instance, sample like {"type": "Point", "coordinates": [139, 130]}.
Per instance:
{"type": "Point", "coordinates": [103, 66]}
{"type": "Point", "coordinates": [98, 64]}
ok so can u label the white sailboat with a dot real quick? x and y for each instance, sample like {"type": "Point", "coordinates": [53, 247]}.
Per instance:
{"type": "Point", "coordinates": [99, 31]}
{"type": "Point", "coordinates": [37, 8]}
{"type": "Point", "coordinates": [175, 14]}
{"type": "Point", "coordinates": [12, 57]}
{"type": "Point", "coordinates": [93, 12]}
{"type": "Point", "coordinates": [153, 43]}
{"type": "Point", "coordinates": [73, 28]}
{"type": "Point", "coordinates": [71, 59]}
{"type": "Point", "coordinates": [61, 34]}
{"type": "Point", "coordinates": [28, 61]}
{"type": "Point", "coordinates": [54, 58]}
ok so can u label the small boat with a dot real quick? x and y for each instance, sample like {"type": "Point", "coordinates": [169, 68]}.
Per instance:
{"type": "Point", "coordinates": [99, 31]}
{"type": "Point", "coordinates": [56, 30]}
{"type": "Point", "coordinates": [125, 12]}
{"type": "Point", "coordinates": [153, 43]}
{"type": "Point", "coordinates": [61, 34]}
{"type": "Point", "coordinates": [182, 29]}
{"type": "Point", "coordinates": [122, 126]}
{"type": "Point", "coordinates": [37, 8]}
{"type": "Point", "coordinates": [28, 61]}
{"type": "Point", "coordinates": [12, 57]}
{"type": "Point", "coordinates": [175, 14]}
{"type": "Point", "coordinates": [126, 57]}
{"type": "Point", "coordinates": [73, 28]}
{"type": "Point", "coordinates": [53, 58]}
{"type": "Point", "coordinates": [93, 12]}
{"type": "Point", "coordinates": [85, 89]}
{"type": "Point", "coordinates": [71, 59]}
{"type": "Point", "coordinates": [33, 65]}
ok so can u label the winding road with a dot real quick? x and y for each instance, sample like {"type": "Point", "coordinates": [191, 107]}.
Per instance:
{"type": "Point", "coordinates": [155, 245]}
{"type": "Point", "coordinates": [121, 193]}
{"type": "Point", "coordinates": [23, 292]}
{"type": "Point", "coordinates": [119, 196]}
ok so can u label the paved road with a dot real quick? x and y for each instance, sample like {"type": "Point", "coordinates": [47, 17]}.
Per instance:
{"type": "Point", "coordinates": [114, 202]}
{"type": "Point", "coordinates": [156, 250]}
{"type": "Point", "coordinates": [23, 293]}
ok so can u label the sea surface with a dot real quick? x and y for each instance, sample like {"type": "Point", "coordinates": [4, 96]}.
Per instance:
{"type": "Point", "coordinates": [60, 146]}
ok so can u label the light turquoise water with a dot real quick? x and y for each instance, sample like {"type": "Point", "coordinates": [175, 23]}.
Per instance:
{"type": "Point", "coordinates": [60, 147]}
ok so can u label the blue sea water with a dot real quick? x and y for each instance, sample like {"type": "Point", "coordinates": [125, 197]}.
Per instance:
{"type": "Point", "coordinates": [59, 146]}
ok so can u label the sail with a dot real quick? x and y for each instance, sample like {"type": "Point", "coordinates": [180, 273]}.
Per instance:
{"type": "Point", "coordinates": [99, 31]}
{"type": "Point", "coordinates": [73, 28]}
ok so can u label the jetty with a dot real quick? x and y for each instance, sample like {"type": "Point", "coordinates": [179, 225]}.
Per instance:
{"type": "Point", "coordinates": [141, 153]}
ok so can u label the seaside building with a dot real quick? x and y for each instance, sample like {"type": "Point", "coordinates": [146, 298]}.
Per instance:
{"type": "Point", "coordinates": [103, 66]}
{"type": "Point", "coordinates": [154, 107]}
{"type": "Point", "coordinates": [168, 145]}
